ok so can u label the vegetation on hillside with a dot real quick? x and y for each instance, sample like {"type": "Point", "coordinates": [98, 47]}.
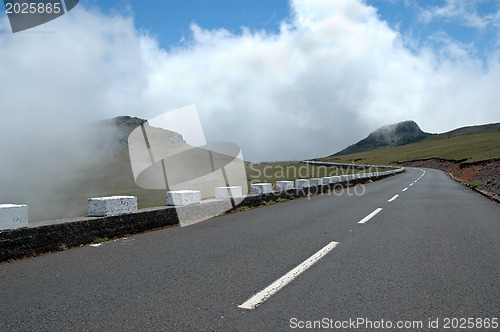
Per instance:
{"type": "Point", "coordinates": [466, 148]}
{"type": "Point", "coordinates": [408, 132]}
{"type": "Point", "coordinates": [290, 171]}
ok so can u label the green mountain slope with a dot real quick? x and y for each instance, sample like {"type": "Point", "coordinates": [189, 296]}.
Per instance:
{"type": "Point", "coordinates": [465, 148]}
{"type": "Point", "coordinates": [409, 132]}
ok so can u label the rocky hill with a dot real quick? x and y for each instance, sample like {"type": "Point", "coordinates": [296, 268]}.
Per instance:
{"type": "Point", "coordinates": [401, 133]}
{"type": "Point", "coordinates": [114, 132]}
{"type": "Point", "coordinates": [408, 132]}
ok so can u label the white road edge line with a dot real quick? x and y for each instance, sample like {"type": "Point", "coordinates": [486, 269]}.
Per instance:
{"type": "Point", "coordinates": [371, 215]}
{"type": "Point", "coordinates": [405, 189]}
{"type": "Point", "coordinates": [393, 198]}
{"type": "Point", "coordinates": [273, 288]}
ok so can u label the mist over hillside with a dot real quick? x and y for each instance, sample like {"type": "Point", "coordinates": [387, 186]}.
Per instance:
{"type": "Point", "coordinates": [401, 133]}
{"type": "Point", "coordinates": [407, 132]}
{"type": "Point", "coordinates": [57, 173]}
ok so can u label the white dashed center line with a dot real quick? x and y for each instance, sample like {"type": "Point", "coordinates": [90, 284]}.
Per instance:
{"type": "Point", "coordinates": [371, 215]}
{"type": "Point", "coordinates": [393, 198]}
{"type": "Point", "coordinates": [273, 288]}
{"type": "Point", "coordinates": [405, 189]}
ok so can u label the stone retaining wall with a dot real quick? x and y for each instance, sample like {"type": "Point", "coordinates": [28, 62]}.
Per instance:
{"type": "Point", "coordinates": [50, 236]}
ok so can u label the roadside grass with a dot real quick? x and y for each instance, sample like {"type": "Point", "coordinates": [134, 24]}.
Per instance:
{"type": "Point", "coordinates": [290, 171]}
{"type": "Point", "coordinates": [262, 203]}
{"type": "Point", "coordinates": [470, 148]}
{"type": "Point", "coordinates": [473, 184]}
{"type": "Point", "coordinates": [97, 239]}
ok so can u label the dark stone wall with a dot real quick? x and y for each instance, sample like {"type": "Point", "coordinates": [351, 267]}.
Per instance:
{"type": "Point", "coordinates": [256, 200]}
{"type": "Point", "coordinates": [48, 236]}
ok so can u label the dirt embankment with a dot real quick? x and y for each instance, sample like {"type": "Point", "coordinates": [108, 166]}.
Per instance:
{"type": "Point", "coordinates": [483, 175]}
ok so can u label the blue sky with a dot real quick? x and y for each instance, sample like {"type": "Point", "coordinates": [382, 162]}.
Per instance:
{"type": "Point", "coordinates": [169, 20]}
{"type": "Point", "coordinates": [465, 21]}
{"type": "Point", "coordinates": [306, 79]}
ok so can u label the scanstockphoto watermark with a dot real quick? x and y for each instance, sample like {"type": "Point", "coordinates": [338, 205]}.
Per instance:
{"type": "Point", "coordinates": [354, 323]}
{"type": "Point", "coordinates": [345, 178]}
{"type": "Point", "coordinates": [337, 190]}
{"type": "Point", "coordinates": [26, 14]}
{"type": "Point", "coordinates": [463, 323]}
{"type": "Point", "coordinates": [305, 170]}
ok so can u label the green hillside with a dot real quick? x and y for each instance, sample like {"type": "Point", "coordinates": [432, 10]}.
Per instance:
{"type": "Point", "coordinates": [467, 148]}
{"type": "Point", "coordinates": [408, 132]}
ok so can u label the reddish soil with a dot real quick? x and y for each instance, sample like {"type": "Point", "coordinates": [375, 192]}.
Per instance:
{"type": "Point", "coordinates": [483, 176]}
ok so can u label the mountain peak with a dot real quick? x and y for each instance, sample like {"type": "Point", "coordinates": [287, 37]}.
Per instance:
{"type": "Point", "coordinates": [396, 134]}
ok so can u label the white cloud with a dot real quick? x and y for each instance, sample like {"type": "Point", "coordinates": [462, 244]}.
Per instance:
{"type": "Point", "coordinates": [331, 75]}
{"type": "Point", "coordinates": [465, 11]}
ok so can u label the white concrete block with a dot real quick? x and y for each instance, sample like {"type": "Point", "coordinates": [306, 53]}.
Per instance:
{"type": "Point", "coordinates": [284, 185]}
{"type": "Point", "coordinates": [301, 183]}
{"type": "Point", "coordinates": [261, 188]}
{"type": "Point", "coordinates": [326, 179]}
{"type": "Point", "coordinates": [228, 192]}
{"type": "Point", "coordinates": [346, 178]}
{"type": "Point", "coordinates": [183, 197]}
{"type": "Point", "coordinates": [13, 216]}
{"type": "Point", "coordinates": [111, 206]}
{"type": "Point", "coordinates": [335, 179]}
{"type": "Point", "coordinates": [315, 182]}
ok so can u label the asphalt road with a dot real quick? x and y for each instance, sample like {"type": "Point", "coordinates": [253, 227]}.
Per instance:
{"type": "Point", "coordinates": [431, 253]}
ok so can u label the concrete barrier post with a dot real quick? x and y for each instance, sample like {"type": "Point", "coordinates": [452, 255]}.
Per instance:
{"type": "Point", "coordinates": [345, 178]}
{"type": "Point", "coordinates": [315, 182]}
{"type": "Point", "coordinates": [183, 197]}
{"type": "Point", "coordinates": [335, 179]}
{"type": "Point", "coordinates": [111, 206]}
{"type": "Point", "coordinates": [261, 188]}
{"type": "Point", "coordinates": [302, 183]}
{"type": "Point", "coordinates": [13, 216]}
{"type": "Point", "coordinates": [326, 179]}
{"type": "Point", "coordinates": [228, 192]}
{"type": "Point", "coordinates": [284, 185]}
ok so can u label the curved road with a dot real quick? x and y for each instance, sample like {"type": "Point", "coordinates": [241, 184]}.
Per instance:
{"type": "Point", "coordinates": [429, 255]}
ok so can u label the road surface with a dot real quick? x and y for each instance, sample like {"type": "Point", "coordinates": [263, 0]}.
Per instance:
{"type": "Point", "coordinates": [428, 255]}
